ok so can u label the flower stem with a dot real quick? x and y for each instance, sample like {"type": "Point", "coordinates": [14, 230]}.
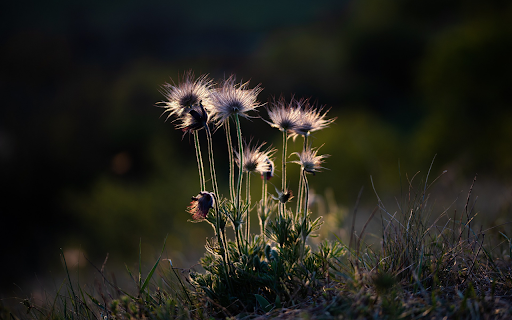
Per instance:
{"type": "Point", "coordinates": [248, 199]}
{"type": "Point", "coordinates": [212, 163]}
{"type": "Point", "coordinates": [220, 239]}
{"type": "Point", "coordinates": [300, 195]}
{"type": "Point", "coordinates": [199, 161]}
{"type": "Point", "coordinates": [263, 213]}
{"type": "Point", "coordinates": [304, 219]}
{"type": "Point", "coordinates": [241, 165]}
{"type": "Point", "coordinates": [225, 257]}
{"type": "Point", "coordinates": [231, 160]}
{"type": "Point", "coordinates": [283, 173]}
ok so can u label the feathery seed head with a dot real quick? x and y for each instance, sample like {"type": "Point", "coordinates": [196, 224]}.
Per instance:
{"type": "Point", "coordinates": [255, 160]}
{"type": "Point", "coordinates": [234, 98]}
{"type": "Point", "coordinates": [285, 116]}
{"type": "Point", "coordinates": [188, 93]}
{"type": "Point", "coordinates": [311, 119]}
{"type": "Point", "coordinates": [201, 204]}
{"type": "Point", "coordinates": [309, 161]}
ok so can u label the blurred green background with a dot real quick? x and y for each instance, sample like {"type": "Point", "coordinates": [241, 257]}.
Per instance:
{"type": "Point", "coordinates": [87, 163]}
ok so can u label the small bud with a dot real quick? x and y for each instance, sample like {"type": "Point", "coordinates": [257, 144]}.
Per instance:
{"type": "Point", "coordinates": [270, 173]}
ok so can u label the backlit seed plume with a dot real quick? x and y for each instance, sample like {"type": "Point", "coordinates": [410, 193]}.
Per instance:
{"type": "Point", "coordinates": [255, 160]}
{"type": "Point", "coordinates": [309, 161]}
{"type": "Point", "coordinates": [269, 173]}
{"type": "Point", "coordinates": [234, 98]}
{"type": "Point", "coordinates": [311, 119]}
{"type": "Point", "coordinates": [201, 204]}
{"type": "Point", "coordinates": [285, 116]}
{"type": "Point", "coordinates": [195, 119]}
{"type": "Point", "coordinates": [188, 93]}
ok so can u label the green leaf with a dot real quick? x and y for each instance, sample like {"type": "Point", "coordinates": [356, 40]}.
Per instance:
{"type": "Point", "coordinates": [278, 302]}
{"type": "Point", "coordinates": [146, 282]}
{"type": "Point", "coordinates": [264, 304]}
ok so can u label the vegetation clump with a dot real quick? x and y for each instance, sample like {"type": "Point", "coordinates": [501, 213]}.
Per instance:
{"type": "Point", "coordinates": [423, 264]}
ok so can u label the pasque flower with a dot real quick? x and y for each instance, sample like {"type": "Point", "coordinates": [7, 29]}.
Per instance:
{"type": "Point", "coordinates": [201, 204]}
{"type": "Point", "coordinates": [195, 119]}
{"type": "Point", "coordinates": [283, 196]}
{"type": "Point", "coordinates": [309, 161]}
{"type": "Point", "coordinates": [188, 93]}
{"type": "Point", "coordinates": [311, 118]}
{"type": "Point", "coordinates": [284, 116]}
{"type": "Point", "coordinates": [255, 160]}
{"type": "Point", "coordinates": [234, 98]}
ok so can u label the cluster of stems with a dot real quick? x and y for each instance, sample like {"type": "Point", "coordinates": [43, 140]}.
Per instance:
{"type": "Point", "coordinates": [239, 209]}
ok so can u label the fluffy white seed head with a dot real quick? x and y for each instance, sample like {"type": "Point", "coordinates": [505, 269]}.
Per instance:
{"type": "Point", "coordinates": [256, 160]}
{"type": "Point", "coordinates": [312, 119]}
{"type": "Point", "coordinates": [234, 98]}
{"type": "Point", "coordinates": [182, 97]}
{"type": "Point", "coordinates": [309, 161]}
{"type": "Point", "coordinates": [285, 116]}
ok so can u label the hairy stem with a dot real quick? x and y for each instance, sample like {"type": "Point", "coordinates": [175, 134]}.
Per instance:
{"type": "Point", "coordinates": [283, 173]}
{"type": "Point", "coordinates": [241, 165]}
{"type": "Point", "coordinates": [212, 163]}
{"type": "Point", "coordinates": [225, 257]}
{"type": "Point", "coordinates": [199, 161]}
{"type": "Point", "coordinates": [231, 160]}
{"type": "Point", "coordinates": [263, 213]}
{"type": "Point", "coordinates": [248, 199]}
{"type": "Point", "coordinates": [300, 195]}
{"type": "Point", "coordinates": [304, 219]}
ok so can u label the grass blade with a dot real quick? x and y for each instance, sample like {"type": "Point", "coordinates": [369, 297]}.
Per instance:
{"type": "Point", "coordinates": [150, 274]}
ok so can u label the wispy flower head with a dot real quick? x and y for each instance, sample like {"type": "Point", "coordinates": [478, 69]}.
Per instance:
{"type": "Point", "coordinates": [195, 119]}
{"type": "Point", "coordinates": [188, 93]}
{"type": "Point", "coordinates": [285, 116]}
{"type": "Point", "coordinates": [201, 204]}
{"type": "Point", "coordinates": [312, 119]}
{"type": "Point", "coordinates": [309, 161]}
{"type": "Point", "coordinates": [255, 160]}
{"type": "Point", "coordinates": [234, 98]}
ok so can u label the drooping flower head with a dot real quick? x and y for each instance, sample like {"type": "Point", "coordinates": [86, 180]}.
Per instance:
{"type": "Point", "coordinates": [270, 173]}
{"type": "Point", "coordinates": [255, 160]}
{"type": "Point", "coordinates": [285, 116]}
{"type": "Point", "coordinates": [283, 196]}
{"type": "Point", "coordinates": [188, 93]}
{"type": "Point", "coordinates": [201, 204]}
{"type": "Point", "coordinates": [312, 118]}
{"type": "Point", "coordinates": [195, 119]}
{"type": "Point", "coordinates": [309, 161]}
{"type": "Point", "coordinates": [234, 98]}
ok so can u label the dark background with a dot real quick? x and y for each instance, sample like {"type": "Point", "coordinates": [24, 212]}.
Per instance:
{"type": "Point", "coordinates": [87, 163]}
